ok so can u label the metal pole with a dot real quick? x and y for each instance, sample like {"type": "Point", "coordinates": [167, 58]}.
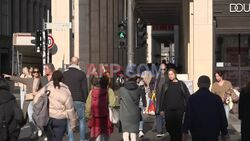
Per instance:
{"type": "Point", "coordinates": [48, 52]}
{"type": "Point", "coordinates": [130, 31]}
{"type": "Point", "coordinates": [239, 60]}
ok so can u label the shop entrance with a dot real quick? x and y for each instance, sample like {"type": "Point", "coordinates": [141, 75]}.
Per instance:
{"type": "Point", "coordinates": [232, 57]}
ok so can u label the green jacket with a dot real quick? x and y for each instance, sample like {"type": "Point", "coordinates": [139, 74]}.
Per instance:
{"type": "Point", "coordinates": [112, 100]}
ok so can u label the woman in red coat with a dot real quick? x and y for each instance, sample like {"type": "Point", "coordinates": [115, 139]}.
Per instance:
{"type": "Point", "coordinates": [97, 111]}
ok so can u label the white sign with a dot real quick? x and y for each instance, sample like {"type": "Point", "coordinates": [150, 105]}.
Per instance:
{"type": "Point", "coordinates": [239, 7]}
{"type": "Point", "coordinates": [23, 39]}
{"type": "Point", "coordinates": [220, 64]}
{"type": "Point", "coordinates": [58, 25]}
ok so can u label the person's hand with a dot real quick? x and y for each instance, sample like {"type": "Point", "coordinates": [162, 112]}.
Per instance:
{"type": "Point", "coordinates": [6, 75]}
{"type": "Point", "coordinates": [162, 113]}
{"type": "Point", "coordinates": [74, 129]}
{"type": "Point", "coordinates": [184, 137]}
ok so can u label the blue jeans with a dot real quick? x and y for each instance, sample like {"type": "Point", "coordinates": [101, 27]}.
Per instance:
{"type": "Point", "coordinates": [80, 109]}
{"type": "Point", "coordinates": [160, 123]}
{"type": "Point", "coordinates": [227, 110]}
{"type": "Point", "coordinates": [30, 111]}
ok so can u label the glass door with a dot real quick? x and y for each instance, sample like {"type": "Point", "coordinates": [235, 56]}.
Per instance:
{"type": "Point", "coordinates": [232, 57]}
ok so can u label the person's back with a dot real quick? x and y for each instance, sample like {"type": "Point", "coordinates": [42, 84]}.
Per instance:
{"type": "Point", "coordinates": [206, 109]}
{"type": "Point", "coordinates": [76, 80]}
{"type": "Point", "coordinates": [205, 116]}
{"type": "Point", "coordinates": [11, 118]}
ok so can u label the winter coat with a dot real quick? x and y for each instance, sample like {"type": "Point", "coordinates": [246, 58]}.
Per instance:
{"type": "Point", "coordinates": [60, 103]}
{"type": "Point", "coordinates": [102, 124]}
{"type": "Point", "coordinates": [77, 82]}
{"type": "Point", "coordinates": [205, 115]}
{"type": "Point", "coordinates": [244, 114]}
{"type": "Point", "coordinates": [129, 106]}
{"type": "Point", "coordinates": [11, 113]}
{"type": "Point", "coordinates": [184, 91]}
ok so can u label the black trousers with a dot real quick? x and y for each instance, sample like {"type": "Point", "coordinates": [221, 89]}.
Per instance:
{"type": "Point", "coordinates": [56, 129]}
{"type": "Point", "coordinates": [245, 130]}
{"type": "Point", "coordinates": [198, 137]}
{"type": "Point", "coordinates": [174, 124]}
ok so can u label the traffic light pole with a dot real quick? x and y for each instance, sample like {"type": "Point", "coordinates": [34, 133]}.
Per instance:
{"type": "Point", "coordinates": [131, 38]}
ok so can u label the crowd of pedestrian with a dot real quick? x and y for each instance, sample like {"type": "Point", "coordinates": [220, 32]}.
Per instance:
{"type": "Point", "coordinates": [61, 103]}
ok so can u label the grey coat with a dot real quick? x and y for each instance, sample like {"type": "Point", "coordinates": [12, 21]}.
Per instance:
{"type": "Point", "coordinates": [29, 84]}
{"type": "Point", "coordinates": [129, 107]}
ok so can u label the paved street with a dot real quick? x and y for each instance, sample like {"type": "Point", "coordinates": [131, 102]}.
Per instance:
{"type": "Point", "coordinates": [234, 130]}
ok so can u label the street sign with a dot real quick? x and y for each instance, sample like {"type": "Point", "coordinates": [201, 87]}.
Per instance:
{"type": "Point", "coordinates": [58, 25]}
{"type": "Point", "coordinates": [51, 42]}
{"type": "Point", "coordinates": [23, 39]}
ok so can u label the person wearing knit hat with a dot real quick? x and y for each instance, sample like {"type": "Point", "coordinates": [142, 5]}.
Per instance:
{"type": "Point", "coordinates": [205, 116]}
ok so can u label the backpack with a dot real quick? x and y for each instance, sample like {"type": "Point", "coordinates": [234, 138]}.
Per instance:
{"type": "Point", "coordinates": [99, 107]}
{"type": "Point", "coordinates": [41, 110]}
{"type": "Point", "coordinates": [10, 125]}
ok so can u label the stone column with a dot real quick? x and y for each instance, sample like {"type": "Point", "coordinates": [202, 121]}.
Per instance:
{"type": "Point", "coordinates": [16, 16]}
{"type": "Point", "coordinates": [36, 15]}
{"type": "Point", "coordinates": [41, 14]}
{"type": "Point", "coordinates": [81, 31]}
{"type": "Point", "coordinates": [30, 16]}
{"type": "Point", "coordinates": [61, 14]}
{"type": "Point", "coordinates": [23, 16]}
{"type": "Point", "coordinates": [202, 40]}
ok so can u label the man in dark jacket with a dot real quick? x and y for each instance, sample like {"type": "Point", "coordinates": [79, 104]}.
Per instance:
{"type": "Point", "coordinates": [205, 115]}
{"type": "Point", "coordinates": [244, 114]}
{"type": "Point", "coordinates": [11, 116]}
{"type": "Point", "coordinates": [76, 80]}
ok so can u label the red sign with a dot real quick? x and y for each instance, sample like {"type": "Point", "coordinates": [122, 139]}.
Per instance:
{"type": "Point", "coordinates": [50, 42]}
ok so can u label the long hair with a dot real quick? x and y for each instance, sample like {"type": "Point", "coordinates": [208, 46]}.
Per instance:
{"type": "Point", "coordinates": [220, 73]}
{"type": "Point", "coordinates": [174, 71]}
{"type": "Point", "coordinates": [57, 77]}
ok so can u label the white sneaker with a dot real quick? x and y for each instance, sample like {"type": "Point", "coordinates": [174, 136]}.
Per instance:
{"type": "Point", "coordinates": [40, 133]}
{"type": "Point", "coordinates": [160, 135]}
{"type": "Point", "coordinates": [45, 139]}
{"type": "Point", "coordinates": [141, 134]}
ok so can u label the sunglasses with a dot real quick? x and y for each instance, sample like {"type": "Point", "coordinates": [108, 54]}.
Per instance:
{"type": "Point", "coordinates": [35, 71]}
{"type": "Point", "coordinates": [163, 69]}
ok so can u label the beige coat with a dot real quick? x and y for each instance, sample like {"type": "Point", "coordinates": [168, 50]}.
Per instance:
{"type": "Point", "coordinates": [60, 103]}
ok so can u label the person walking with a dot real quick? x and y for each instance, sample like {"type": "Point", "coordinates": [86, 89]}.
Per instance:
{"type": "Point", "coordinates": [244, 114]}
{"type": "Point", "coordinates": [143, 103]}
{"type": "Point", "coordinates": [129, 106]}
{"type": "Point", "coordinates": [205, 116]}
{"type": "Point", "coordinates": [49, 69]}
{"type": "Point", "coordinates": [32, 85]}
{"type": "Point", "coordinates": [173, 103]}
{"type": "Point", "coordinates": [220, 88]}
{"type": "Point", "coordinates": [77, 82]}
{"type": "Point", "coordinates": [61, 108]}
{"type": "Point", "coordinates": [11, 117]}
{"type": "Point", "coordinates": [97, 112]}
{"type": "Point", "coordinates": [23, 88]}
{"type": "Point", "coordinates": [161, 80]}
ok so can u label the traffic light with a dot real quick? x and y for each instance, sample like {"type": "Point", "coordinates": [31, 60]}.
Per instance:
{"type": "Point", "coordinates": [122, 36]}
{"type": "Point", "coordinates": [142, 35]}
{"type": "Point", "coordinates": [39, 41]}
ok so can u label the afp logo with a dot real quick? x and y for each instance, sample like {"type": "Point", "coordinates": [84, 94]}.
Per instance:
{"type": "Point", "coordinates": [239, 8]}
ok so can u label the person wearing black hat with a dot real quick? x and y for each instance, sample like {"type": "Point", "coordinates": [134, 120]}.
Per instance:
{"type": "Point", "coordinates": [205, 116]}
